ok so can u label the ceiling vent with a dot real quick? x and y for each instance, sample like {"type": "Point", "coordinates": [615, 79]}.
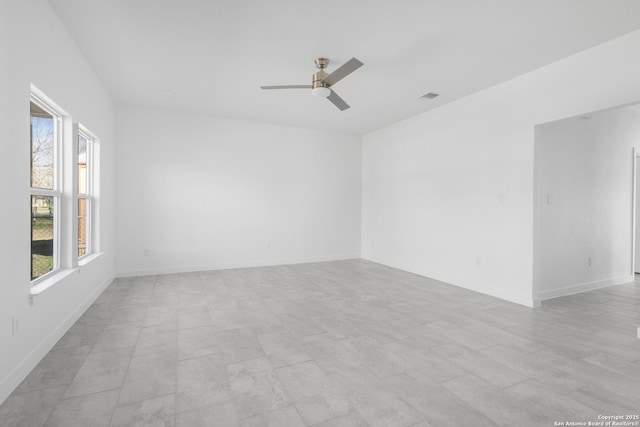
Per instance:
{"type": "Point", "coordinates": [430, 95]}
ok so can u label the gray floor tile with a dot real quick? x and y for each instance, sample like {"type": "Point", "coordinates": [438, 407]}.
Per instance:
{"type": "Point", "coordinates": [156, 412]}
{"type": "Point", "coordinates": [99, 372]}
{"type": "Point", "coordinates": [113, 337]}
{"type": "Point", "coordinates": [93, 410]}
{"type": "Point", "coordinates": [420, 357]}
{"type": "Point", "coordinates": [287, 416]}
{"type": "Point", "coordinates": [415, 330]}
{"type": "Point", "coordinates": [282, 348]}
{"type": "Point", "coordinates": [353, 419]}
{"type": "Point", "coordinates": [81, 333]}
{"type": "Point", "coordinates": [31, 409]}
{"type": "Point", "coordinates": [482, 366]}
{"type": "Point", "coordinates": [439, 406]}
{"type": "Point", "coordinates": [374, 399]}
{"type": "Point", "coordinates": [150, 376]}
{"type": "Point", "coordinates": [165, 300]}
{"type": "Point", "coordinates": [255, 388]}
{"type": "Point", "coordinates": [261, 320]}
{"type": "Point", "coordinates": [460, 335]}
{"type": "Point", "coordinates": [615, 364]}
{"type": "Point", "coordinates": [379, 330]}
{"type": "Point", "coordinates": [157, 339]}
{"type": "Point", "coordinates": [196, 342]}
{"type": "Point", "coordinates": [502, 337]}
{"type": "Point", "coordinates": [533, 367]}
{"type": "Point", "coordinates": [495, 403]}
{"type": "Point", "coordinates": [99, 313]}
{"type": "Point", "coordinates": [333, 344]}
{"type": "Point", "coordinates": [111, 295]}
{"type": "Point", "coordinates": [604, 402]}
{"type": "Point", "coordinates": [220, 415]}
{"type": "Point", "coordinates": [557, 405]}
{"type": "Point", "coordinates": [129, 313]}
{"type": "Point", "coordinates": [238, 345]}
{"type": "Point", "coordinates": [300, 325]}
{"type": "Point", "coordinates": [202, 381]}
{"type": "Point", "coordinates": [336, 326]}
{"type": "Point", "coordinates": [218, 299]}
{"type": "Point", "coordinates": [330, 353]}
{"type": "Point", "coordinates": [376, 357]}
{"type": "Point", "coordinates": [413, 312]}
{"type": "Point", "coordinates": [57, 368]}
{"type": "Point", "coordinates": [160, 315]}
{"type": "Point", "coordinates": [313, 393]}
{"type": "Point", "coordinates": [225, 319]}
{"type": "Point", "coordinates": [195, 317]}
{"type": "Point", "coordinates": [593, 375]}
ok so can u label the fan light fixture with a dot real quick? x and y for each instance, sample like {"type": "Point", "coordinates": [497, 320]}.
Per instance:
{"type": "Point", "coordinates": [321, 91]}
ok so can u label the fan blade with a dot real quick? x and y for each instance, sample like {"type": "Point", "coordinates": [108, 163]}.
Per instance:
{"type": "Point", "coordinates": [337, 101]}
{"type": "Point", "coordinates": [347, 68]}
{"type": "Point", "coordinates": [287, 87]}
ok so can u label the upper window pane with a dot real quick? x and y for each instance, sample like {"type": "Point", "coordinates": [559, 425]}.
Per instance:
{"type": "Point", "coordinates": [83, 174]}
{"type": "Point", "coordinates": [42, 148]}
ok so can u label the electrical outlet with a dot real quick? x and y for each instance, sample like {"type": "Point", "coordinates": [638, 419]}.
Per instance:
{"type": "Point", "coordinates": [15, 326]}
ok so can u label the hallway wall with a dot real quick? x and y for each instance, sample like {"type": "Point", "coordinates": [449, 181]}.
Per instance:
{"type": "Point", "coordinates": [449, 193]}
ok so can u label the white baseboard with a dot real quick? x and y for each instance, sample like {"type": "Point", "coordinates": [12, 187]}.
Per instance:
{"type": "Point", "coordinates": [487, 290]}
{"type": "Point", "coordinates": [226, 266]}
{"type": "Point", "coordinates": [14, 379]}
{"type": "Point", "coordinates": [583, 287]}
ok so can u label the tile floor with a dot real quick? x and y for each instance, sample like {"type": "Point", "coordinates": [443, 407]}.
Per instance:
{"type": "Point", "coordinates": [347, 343]}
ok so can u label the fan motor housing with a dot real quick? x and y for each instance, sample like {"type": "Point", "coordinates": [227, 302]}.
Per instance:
{"type": "Point", "coordinates": [317, 79]}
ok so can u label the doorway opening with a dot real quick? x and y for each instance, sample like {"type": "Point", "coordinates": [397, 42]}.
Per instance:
{"type": "Point", "coordinates": [586, 203]}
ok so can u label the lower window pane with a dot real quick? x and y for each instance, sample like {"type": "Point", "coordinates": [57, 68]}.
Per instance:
{"type": "Point", "coordinates": [42, 235]}
{"type": "Point", "coordinates": [83, 211]}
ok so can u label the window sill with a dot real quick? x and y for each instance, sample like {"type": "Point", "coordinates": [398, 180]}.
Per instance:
{"type": "Point", "coordinates": [42, 286]}
{"type": "Point", "coordinates": [88, 258]}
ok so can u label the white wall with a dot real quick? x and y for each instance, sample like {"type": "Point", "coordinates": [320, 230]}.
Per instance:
{"type": "Point", "coordinates": [36, 49]}
{"type": "Point", "coordinates": [637, 230]}
{"type": "Point", "coordinates": [585, 186]}
{"type": "Point", "coordinates": [449, 193]}
{"type": "Point", "coordinates": [199, 192]}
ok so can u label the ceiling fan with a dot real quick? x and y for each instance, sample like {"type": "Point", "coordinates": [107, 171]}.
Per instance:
{"type": "Point", "coordinates": [322, 81]}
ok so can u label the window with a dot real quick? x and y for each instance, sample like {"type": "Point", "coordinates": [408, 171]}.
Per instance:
{"type": "Point", "coordinates": [85, 173]}
{"type": "Point", "coordinates": [62, 191]}
{"type": "Point", "coordinates": [45, 188]}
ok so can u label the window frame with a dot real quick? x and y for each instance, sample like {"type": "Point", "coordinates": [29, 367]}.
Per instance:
{"type": "Point", "coordinates": [81, 131]}
{"type": "Point", "coordinates": [56, 192]}
{"type": "Point", "coordinates": [65, 194]}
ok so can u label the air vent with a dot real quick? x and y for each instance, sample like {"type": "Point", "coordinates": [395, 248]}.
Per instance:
{"type": "Point", "coordinates": [430, 95]}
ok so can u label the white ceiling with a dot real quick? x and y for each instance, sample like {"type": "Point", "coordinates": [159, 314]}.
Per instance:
{"type": "Point", "coordinates": [214, 55]}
